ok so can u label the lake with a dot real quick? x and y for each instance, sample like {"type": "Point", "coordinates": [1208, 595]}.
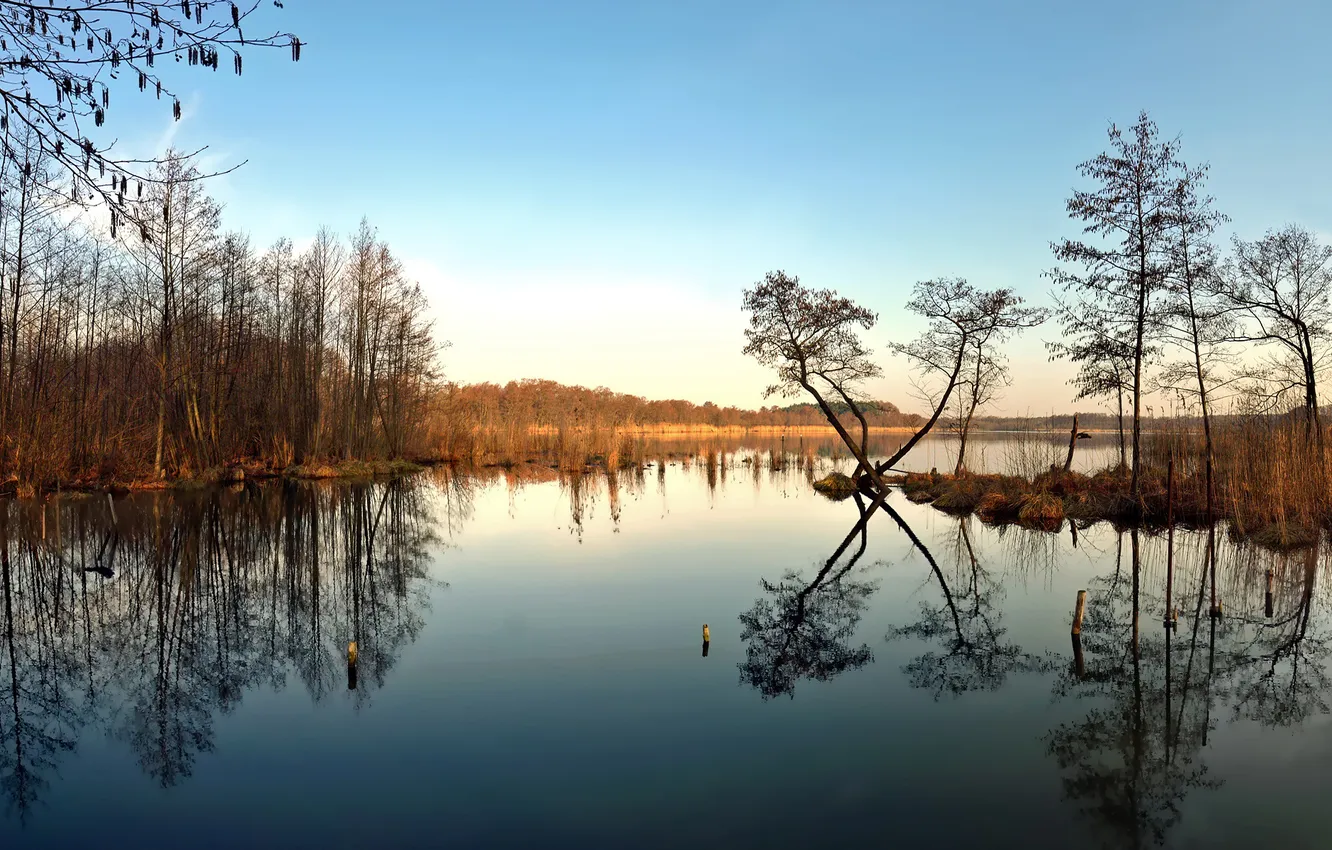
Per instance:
{"type": "Point", "coordinates": [531, 670]}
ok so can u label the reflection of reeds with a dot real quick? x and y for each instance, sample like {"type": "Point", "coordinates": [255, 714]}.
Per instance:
{"type": "Point", "coordinates": [572, 447]}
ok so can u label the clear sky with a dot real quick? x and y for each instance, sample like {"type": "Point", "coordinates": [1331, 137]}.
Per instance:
{"type": "Point", "coordinates": [584, 188]}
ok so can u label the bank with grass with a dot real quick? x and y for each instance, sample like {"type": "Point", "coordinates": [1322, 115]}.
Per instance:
{"type": "Point", "coordinates": [1266, 516]}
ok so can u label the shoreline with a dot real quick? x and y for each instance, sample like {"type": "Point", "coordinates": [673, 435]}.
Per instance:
{"type": "Point", "coordinates": [1046, 501]}
{"type": "Point", "coordinates": [220, 476]}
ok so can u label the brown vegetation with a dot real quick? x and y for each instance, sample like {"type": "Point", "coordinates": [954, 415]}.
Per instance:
{"type": "Point", "coordinates": [835, 484]}
{"type": "Point", "coordinates": [184, 351]}
{"type": "Point", "coordinates": [546, 422]}
{"type": "Point", "coordinates": [1270, 485]}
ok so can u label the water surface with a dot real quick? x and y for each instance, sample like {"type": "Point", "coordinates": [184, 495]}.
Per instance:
{"type": "Point", "coordinates": [531, 671]}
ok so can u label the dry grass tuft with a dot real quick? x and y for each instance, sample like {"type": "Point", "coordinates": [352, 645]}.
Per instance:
{"type": "Point", "coordinates": [995, 506]}
{"type": "Point", "coordinates": [1041, 509]}
{"type": "Point", "coordinates": [835, 482]}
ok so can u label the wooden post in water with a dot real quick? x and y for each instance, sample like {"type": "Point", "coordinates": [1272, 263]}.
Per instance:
{"type": "Point", "coordinates": [1267, 602]}
{"type": "Point", "coordinates": [1171, 617]}
{"type": "Point", "coordinates": [351, 666]}
{"type": "Point", "coordinates": [1079, 667]}
{"type": "Point", "coordinates": [707, 640]}
{"type": "Point", "coordinates": [1072, 442]}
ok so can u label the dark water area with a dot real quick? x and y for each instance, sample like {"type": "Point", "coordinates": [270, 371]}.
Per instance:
{"type": "Point", "coordinates": [531, 671]}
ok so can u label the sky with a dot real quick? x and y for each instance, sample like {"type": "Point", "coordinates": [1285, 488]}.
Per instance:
{"type": "Point", "coordinates": [583, 189]}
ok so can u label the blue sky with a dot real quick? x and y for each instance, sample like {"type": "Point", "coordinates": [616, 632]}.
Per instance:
{"type": "Point", "coordinates": [583, 188]}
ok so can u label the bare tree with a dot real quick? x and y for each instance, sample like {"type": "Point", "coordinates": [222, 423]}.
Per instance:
{"type": "Point", "coordinates": [1194, 319]}
{"type": "Point", "coordinates": [1104, 359]}
{"type": "Point", "coordinates": [986, 368]}
{"type": "Point", "coordinates": [809, 336]}
{"type": "Point", "coordinates": [1127, 213]}
{"type": "Point", "coordinates": [1279, 287]}
{"type": "Point", "coordinates": [174, 257]}
{"type": "Point", "coordinates": [962, 319]}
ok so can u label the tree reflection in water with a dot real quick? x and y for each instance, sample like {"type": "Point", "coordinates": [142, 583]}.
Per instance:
{"type": "Point", "coordinates": [1129, 763]}
{"type": "Point", "coordinates": [1280, 676]}
{"type": "Point", "coordinates": [802, 630]}
{"type": "Point", "coordinates": [149, 626]}
{"type": "Point", "coordinates": [212, 594]}
{"type": "Point", "coordinates": [1132, 760]}
{"type": "Point", "coordinates": [976, 654]}
{"type": "Point", "coordinates": [1153, 696]}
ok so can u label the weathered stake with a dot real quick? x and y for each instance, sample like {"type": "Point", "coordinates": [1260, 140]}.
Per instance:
{"type": "Point", "coordinates": [1078, 611]}
{"type": "Point", "coordinates": [707, 640]}
{"type": "Point", "coordinates": [1267, 603]}
{"type": "Point", "coordinates": [351, 666]}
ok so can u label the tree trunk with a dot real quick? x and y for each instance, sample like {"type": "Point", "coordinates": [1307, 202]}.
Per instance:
{"type": "Point", "coordinates": [1072, 443]}
{"type": "Point", "coordinates": [1123, 446]}
{"type": "Point", "coordinates": [871, 471]}
{"type": "Point", "coordinates": [1313, 420]}
{"type": "Point", "coordinates": [1135, 484]}
{"type": "Point", "coordinates": [961, 465]}
{"type": "Point", "coordinates": [938, 411]}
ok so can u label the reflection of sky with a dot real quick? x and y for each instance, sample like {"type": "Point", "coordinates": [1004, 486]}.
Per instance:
{"type": "Point", "coordinates": [557, 697]}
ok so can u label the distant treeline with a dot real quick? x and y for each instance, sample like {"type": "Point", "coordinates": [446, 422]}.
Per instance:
{"type": "Point", "coordinates": [535, 403]}
{"type": "Point", "coordinates": [529, 419]}
{"type": "Point", "coordinates": [1052, 422]}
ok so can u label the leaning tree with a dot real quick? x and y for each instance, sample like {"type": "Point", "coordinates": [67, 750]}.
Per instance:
{"type": "Point", "coordinates": [60, 61]}
{"type": "Point", "coordinates": [811, 338]}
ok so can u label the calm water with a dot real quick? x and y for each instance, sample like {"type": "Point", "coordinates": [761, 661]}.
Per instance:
{"type": "Point", "coordinates": [531, 672]}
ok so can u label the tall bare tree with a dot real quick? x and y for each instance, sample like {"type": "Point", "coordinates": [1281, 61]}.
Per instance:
{"type": "Point", "coordinates": [1124, 265]}
{"type": "Point", "coordinates": [173, 258]}
{"type": "Point", "coordinates": [1194, 318]}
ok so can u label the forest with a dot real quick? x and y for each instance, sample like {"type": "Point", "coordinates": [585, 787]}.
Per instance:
{"type": "Point", "coordinates": [185, 347]}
